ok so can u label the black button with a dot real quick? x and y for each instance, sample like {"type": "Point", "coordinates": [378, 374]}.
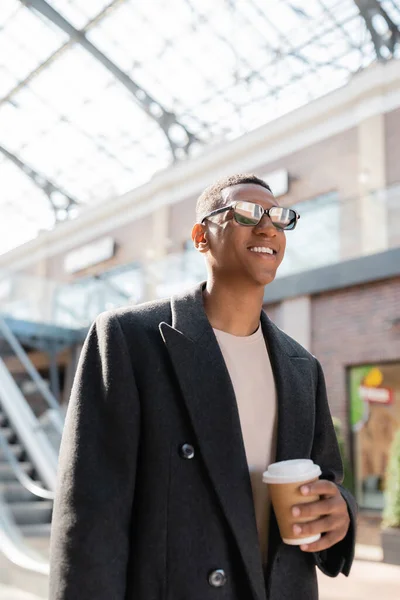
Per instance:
{"type": "Point", "coordinates": [217, 578]}
{"type": "Point", "coordinates": [186, 451]}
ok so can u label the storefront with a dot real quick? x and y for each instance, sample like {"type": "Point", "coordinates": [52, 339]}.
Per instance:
{"type": "Point", "coordinates": [374, 393]}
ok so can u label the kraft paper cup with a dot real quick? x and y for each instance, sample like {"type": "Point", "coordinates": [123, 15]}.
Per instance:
{"type": "Point", "coordinates": [284, 480]}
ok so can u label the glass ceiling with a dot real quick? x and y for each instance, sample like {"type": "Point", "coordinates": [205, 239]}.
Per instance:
{"type": "Point", "coordinates": [96, 96]}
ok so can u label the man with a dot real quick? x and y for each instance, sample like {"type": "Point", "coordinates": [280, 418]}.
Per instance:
{"type": "Point", "coordinates": [177, 408]}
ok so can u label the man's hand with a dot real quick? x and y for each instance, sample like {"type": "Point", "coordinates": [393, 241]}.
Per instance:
{"type": "Point", "coordinates": [330, 514]}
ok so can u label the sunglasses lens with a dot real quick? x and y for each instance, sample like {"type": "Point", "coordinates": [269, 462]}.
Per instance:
{"type": "Point", "coordinates": [247, 213]}
{"type": "Point", "coordinates": [283, 218]}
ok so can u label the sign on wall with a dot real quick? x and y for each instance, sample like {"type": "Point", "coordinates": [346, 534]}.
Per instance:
{"type": "Point", "coordinates": [89, 255]}
{"type": "Point", "coordinates": [380, 395]}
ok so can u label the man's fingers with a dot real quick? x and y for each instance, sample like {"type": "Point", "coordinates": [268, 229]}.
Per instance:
{"type": "Point", "coordinates": [321, 487]}
{"type": "Point", "coordinates": [314, 509]}
{"type": "Point", "coordinates": [330, 516]}
{"type": "Point", "coordinates": [325, 542]}
{"type": "Point", "coordinates": [322, 525]}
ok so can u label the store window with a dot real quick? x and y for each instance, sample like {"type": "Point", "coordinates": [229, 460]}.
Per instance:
{"type": "Point", "coordinates": [316, 240]}
{"type": "Point", "coordinates": [374, 418]}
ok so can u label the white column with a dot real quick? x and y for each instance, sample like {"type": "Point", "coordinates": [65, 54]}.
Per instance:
{"type": "Point", "coordinates": [295, 319]}
{"type": "Point", "coordinates": [158, 247]}
{"type": "Point", "coordinates": [372, 182]}
{"type": "Point", "coordinates": [161, 230]}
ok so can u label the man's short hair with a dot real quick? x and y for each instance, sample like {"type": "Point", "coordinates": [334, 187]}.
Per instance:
{"type": "Point", "coordinates": [211, 198]}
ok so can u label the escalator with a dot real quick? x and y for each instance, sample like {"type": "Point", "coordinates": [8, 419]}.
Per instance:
{"type": "Point", "coordinates": [25, 516]}
{"type": "Point", "coordinates": [25, 499]}
{"type": "Point", "coordinates": [42, 328]}
{"type": "Point", "coordinates": [30, 434]}
{"type": "Point", "coordinates": [31, 512]}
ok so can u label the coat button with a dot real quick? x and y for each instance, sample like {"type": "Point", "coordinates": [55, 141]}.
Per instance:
{"type": "Point", "coordinates": [217, 578]}
{"type": "Point", "coordinates": [186, 451]}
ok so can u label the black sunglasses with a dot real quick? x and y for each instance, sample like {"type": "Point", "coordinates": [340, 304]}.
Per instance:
{"type": "Point", "coordinates": [250, 214]}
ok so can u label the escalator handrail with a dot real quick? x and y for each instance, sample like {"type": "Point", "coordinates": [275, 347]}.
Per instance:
{"type": "Point", "coordinates": [24, 479]}
{"type": "Point", "coordinates": [24, 358]}
{"type": "Point", "coordinates": [13, 547]}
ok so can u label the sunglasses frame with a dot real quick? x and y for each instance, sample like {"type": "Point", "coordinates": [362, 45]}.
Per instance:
{"type": "Point", "coordinates": [265, 211]}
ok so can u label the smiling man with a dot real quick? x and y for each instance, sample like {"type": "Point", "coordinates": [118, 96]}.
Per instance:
{"type": "Point", "coordinates": [177, 409]}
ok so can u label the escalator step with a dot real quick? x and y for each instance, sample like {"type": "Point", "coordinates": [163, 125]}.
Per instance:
{"type": "Point", "coordinates": [7, 473]}
{"type": "Point", "coordinates": [13, 491]}
{"type": "Point", "coordinates": [41, 530]}
{"type": "Point", "coordinates": [9, 434]}
{"type": "Point", "coordinates": [16, 449]}
{"type": "Point", "coordinates": [37, 512]}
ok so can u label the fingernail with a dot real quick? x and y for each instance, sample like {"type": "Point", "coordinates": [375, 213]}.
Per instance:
{"type": "Point", "coordinates": [304, 489]}
{"type": "Point", "coordinates": [304, 546]}
{"type": "Point", "coordinates": [295, 511]}
{"type": "Point", "coordinates": [296, 529]}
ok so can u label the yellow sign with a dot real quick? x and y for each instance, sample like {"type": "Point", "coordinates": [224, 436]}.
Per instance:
{"type": "Point", "coordinates": [374, 378]}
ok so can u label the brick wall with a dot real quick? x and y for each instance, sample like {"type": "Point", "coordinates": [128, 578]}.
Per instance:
{"type": "Point", "coordinates": [351, 327]}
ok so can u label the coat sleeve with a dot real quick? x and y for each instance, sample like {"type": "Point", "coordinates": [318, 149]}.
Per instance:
{"type": "Point", "coordinates": [96, 472]}
{"type": "Point", "coordinates": [325, 452]}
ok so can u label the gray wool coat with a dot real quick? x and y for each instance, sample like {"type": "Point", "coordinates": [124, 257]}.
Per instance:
{"type": "Point", "coordinates": [139, 517]}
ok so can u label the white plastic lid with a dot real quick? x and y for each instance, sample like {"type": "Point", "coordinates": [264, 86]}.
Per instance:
{"type": "Point", "coordinates": [288, 471]}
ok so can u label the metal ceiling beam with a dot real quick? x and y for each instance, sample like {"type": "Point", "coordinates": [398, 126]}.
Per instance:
{"type": "Point", "coordinates": [331, 14]}
{"type": "Point", "coordinates": [384, 43]}
{"type": "Point", "coordinates": [44, 184]}
{"type": "Point", "coordinates": [57, 53]}
{"type": "Point", "coordinates": [166, 120]}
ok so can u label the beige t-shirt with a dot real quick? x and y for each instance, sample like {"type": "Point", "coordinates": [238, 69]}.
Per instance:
{"type": "Point", "coordinates": [250, 370]}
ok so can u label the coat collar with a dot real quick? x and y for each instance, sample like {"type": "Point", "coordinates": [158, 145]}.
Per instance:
{"type": "Point", "coordinates": [209, 397]}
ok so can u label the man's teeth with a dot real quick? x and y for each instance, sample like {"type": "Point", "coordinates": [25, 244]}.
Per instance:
{"type": "Point", "coordinates": [263, 250]}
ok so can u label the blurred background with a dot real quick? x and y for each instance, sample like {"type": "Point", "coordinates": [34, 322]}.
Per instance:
{"type": "Point", "coordinates": [114, 116]}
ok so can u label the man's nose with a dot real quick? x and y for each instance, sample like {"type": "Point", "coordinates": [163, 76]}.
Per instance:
{"type": "Point", "coordinates": [266, 226]}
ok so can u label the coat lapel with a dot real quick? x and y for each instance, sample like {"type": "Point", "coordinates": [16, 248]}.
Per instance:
{"type": "Point", "coordinates": [295, 394]}
{"type": "Point", "coordinates": [210, 400]}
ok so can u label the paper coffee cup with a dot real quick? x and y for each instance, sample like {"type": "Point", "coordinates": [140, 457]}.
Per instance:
{"type": "Point", "coordinates": [284, 480]}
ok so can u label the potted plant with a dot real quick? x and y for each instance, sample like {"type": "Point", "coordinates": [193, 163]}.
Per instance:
{"type": "Point", "coordinates": [391, 513]}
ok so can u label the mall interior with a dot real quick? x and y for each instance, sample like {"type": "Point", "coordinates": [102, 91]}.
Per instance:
{"type": "Point", "coordinates": [105, 147]}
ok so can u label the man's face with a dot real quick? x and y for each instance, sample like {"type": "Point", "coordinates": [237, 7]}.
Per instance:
{"type": "Point", "coordinates": [234, 249]}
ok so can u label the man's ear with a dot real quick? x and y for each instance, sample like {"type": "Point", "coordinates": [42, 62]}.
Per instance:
{"type": "Point", "coordinates": [199, 237]}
